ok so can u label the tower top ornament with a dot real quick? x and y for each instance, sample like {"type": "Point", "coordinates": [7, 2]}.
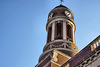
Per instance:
{"type": "Point", "coordinates": [61, 1]}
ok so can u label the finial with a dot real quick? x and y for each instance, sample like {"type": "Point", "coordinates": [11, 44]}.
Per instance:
{"type": "Point", "coordinates": [61, 1]}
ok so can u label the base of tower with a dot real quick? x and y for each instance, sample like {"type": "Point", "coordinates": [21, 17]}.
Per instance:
{"type": "Point", "coordinates": [54, 59]}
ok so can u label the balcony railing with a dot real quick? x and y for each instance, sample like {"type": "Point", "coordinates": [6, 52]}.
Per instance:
{"type": "Point", "coordinates": [69, 39]}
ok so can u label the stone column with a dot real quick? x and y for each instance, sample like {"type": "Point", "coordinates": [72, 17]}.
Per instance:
{"type": "Point", "coordinates": [47, 34]}
{"type": "Point", "coordinates": [64, 30]}
{"type": "Point", "coordinates": [73, 34]}
{"type": "Point", "coordinates": [53, 31]}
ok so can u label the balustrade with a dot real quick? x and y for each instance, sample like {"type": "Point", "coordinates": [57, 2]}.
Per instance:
{"type": "Point", "coordinates": [95, 43]}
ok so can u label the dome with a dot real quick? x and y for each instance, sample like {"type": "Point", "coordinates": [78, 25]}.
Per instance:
{"type": "Point", "coordinates": [61, 11]}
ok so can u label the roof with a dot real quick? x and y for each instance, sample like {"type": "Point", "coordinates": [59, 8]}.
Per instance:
{"type": "Point", "coordinates": [61, 6]}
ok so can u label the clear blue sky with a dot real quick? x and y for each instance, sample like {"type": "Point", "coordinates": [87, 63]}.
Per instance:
{"type": "Point", "coordinates": [23, 22]}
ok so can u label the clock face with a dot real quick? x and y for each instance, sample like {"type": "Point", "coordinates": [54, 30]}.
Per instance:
{"type": "Point", "coordinates": [67, 13]}
{"type": "Point", "coordinates": [50, 17]}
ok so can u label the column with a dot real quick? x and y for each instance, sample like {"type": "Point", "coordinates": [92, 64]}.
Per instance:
{"type": "Point", "coordinates": [53, 31]}
{"type": "Point", "coordinates": [73, 34]}
{"type": "Point", "coordinates": [47, 35]}
{"type": "Point", "coordinates": [64, 30]}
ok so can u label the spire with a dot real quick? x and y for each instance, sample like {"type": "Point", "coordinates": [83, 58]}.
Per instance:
{"type": "Point", "coordinates": [61, 1]}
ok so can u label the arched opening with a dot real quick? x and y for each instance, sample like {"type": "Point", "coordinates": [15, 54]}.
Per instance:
{"type": "Point", "coordinates": [59, 31]}
{"type": "Point", "coordinates": [49, 34]}
{"type": "Point", "coordinates": [69, 32]}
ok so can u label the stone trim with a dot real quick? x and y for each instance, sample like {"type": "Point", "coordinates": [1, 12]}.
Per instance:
{"type": "Point", "coordinates": [59, 41]}
{"type": "Point", "coordinates": [63, 45]}
{"type": "Point", "coordinates": [68, 46]}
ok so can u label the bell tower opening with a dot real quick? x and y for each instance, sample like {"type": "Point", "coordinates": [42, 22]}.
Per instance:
{"type": "Point", "coordinates": [69, 32]}
{"type": "Point", "coordinates": [49, 34]}
{"type": "Point", "coordinates": [59, 34]}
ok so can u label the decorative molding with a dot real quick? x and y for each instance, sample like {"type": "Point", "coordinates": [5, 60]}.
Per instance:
{"type": "Point", "coordinates": [55, 54]}
{"type": "Point", "coordinates": [60, 41]}
{"type": "Point", "coordinates": [64, 44]}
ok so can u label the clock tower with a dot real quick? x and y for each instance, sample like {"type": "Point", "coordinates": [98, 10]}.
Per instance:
{"type": "Point", "coordinates": [60, 46]}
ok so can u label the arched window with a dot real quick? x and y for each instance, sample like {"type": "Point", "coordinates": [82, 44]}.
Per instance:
{"type": "Point", "coordinates": [49, 34]}
{"type": "Point", "coordinates": [69, 32]}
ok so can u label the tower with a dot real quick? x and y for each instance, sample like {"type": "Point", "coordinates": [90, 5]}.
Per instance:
{"type": "Point", "coordinates": [60, 46]}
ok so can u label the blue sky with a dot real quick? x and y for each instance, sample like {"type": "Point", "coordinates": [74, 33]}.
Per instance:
{"type": "Point", "coordinates": [23, 28]}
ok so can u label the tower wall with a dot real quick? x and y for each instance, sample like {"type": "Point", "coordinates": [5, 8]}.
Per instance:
{"type": "Point", "coordinates": [60, 46]}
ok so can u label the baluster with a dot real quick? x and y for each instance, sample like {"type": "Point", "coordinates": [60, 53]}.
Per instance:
{"type": "Point", "coordinates": [93, 46]}
{"type": "Point", "coordinates": [99, 42]}
{"type": "Point", "coordinates": [96, 44]}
